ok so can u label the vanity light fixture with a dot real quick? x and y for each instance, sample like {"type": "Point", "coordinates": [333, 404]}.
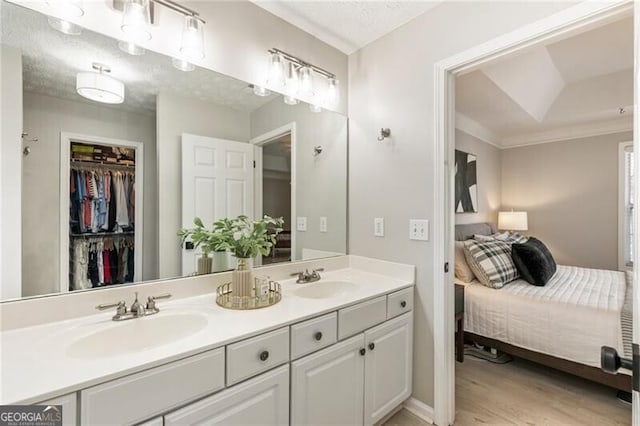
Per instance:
{"type": "Point", "coordinates": [131, 48]}
{"type": "Point", "coordinates": [182, 64]}
{"type": "Point", "coordinates": [136, 19]}
{"type": "Point", "coordinates": [276, 70]}
{"type": "Point", "coordinates": [290, 100]}
{"type": "Point", "coordinates": [100, 87]}
{"type": "Point", "coordinates": [315, 108]}
{"type": "Point", "coordinates": [192, 46]}
{"type": "Point", "coordinates": [66, 9]}
{"type": "Point", "coordinates": [306, 81]}
{"type": "Point", "coordinates": [260, 90]}
{"type": "Point", "coordinates": [332, 92]}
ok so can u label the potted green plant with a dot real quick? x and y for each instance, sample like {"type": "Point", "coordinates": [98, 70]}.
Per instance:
{"type": "Point", "coordinates": [204, 239]}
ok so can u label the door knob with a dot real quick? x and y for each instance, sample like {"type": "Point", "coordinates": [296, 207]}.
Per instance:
{"type": "Point", "coordinates": [610, 361]}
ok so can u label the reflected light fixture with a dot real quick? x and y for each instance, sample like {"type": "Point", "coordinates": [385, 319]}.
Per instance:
{"type": "Point", "coordinates": [66, 10]}
{"type": "Point", "coordinates": [182, 64]}
{"type": "Point", "coordinates": [314, 108]}
{"type": "Point", "coordinates": [136, 20]}
{"type": "Point", "coordinates": [260, 90]}
{"type": "Point", "coordinates": [100, 87]}
{"type": "Point", "coordinates": [276, 70]}
{"type": "Point", "coordinates": [290, 100]}
{"type": "Point", "coordinates": [131, 48]}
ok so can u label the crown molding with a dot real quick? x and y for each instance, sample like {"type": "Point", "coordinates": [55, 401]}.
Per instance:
{"type": "Point", "coordinates": [471, 127]}
{"type": "Point", "coordinates": [569, 132]}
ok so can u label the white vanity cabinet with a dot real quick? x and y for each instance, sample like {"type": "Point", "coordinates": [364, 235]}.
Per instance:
{"type": "Point", "coordinates": [357, 381]}
{"type": "Point", "coordinates": [69, 404]}
{"type": "Point", "coordinates": [263, 400]}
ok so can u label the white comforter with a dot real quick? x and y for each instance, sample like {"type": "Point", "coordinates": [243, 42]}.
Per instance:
{"type": "Point", "coordinates": [576, 313]}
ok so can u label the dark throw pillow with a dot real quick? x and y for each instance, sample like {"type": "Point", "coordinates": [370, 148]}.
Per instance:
{"type": "Point", "coordinates": [533, 261]}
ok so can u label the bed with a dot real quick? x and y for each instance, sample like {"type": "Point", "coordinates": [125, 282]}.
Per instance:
{"type": "Point", "coordinates": [562, 324]}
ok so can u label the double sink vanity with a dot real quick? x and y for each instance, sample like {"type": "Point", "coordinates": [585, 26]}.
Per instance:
{"type": "Point", "coordinates": [334, 351]}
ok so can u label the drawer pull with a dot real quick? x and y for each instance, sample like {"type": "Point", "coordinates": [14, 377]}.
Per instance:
{"type": "Point", "coordinates": [371, 346]}
{"type": "Point", "coordinates": [403, 304]}
{"type": "Point", "coordinates": [318, 336]}
{"type": "Point", "coordinates": [363, 351]}
{"type": "Point", "coordinates": [264, 355]}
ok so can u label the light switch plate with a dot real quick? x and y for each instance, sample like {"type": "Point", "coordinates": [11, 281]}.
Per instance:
{"type": "Point", "coordinates": [378, 227]}
{"type": "Point", "coordinates": [419, 229]}
{"type": "Point", "coordinates": [301, 224]}
{"type": "Point", "coordinates": [323, 224]}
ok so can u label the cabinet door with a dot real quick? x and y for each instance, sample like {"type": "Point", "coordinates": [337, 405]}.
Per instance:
{"type": "Point", "coordinates": [263, 400]}
{"type": "Point", "coordinates": [327, 387]}
{"type": "Point", "coordinates": [69, 408]}
{"type": "Point", "coordinates": [388, 367]}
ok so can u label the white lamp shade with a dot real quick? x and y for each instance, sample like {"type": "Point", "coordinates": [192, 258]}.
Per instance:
{"type": "Point", "coordinates": [513, 221]}
{"type": "Point", "coordinates": [100, 88]}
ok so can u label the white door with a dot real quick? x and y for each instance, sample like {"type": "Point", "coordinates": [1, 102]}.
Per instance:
{"type": "Point", "coordinates": [217, 182]}
{"type": "Point", "coordinates": [327, 387]}
{"type": "Point", "coordinates": [388, 367]}
{"type": "Point", "coordinates": [263, 400]}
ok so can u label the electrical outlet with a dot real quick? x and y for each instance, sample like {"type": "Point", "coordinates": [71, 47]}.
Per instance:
{"type": "Point", "coordinates": [323, 224]}
{"type": "Point", "coordinates": [378, 227]}
{"type": "Point", "coordinates": [301, 224]}
{"type": "Point", "coordinates": [419, 229]}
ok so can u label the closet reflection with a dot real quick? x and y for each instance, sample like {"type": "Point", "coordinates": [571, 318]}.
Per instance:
{"type": "Point", "coordinates": [106, 187]}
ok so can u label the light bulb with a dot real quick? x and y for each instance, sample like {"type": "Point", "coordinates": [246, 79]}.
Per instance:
{"type": "Point", "coordinates": [261, 91]}
{"type": "Point", "coordinates": [306, 81]}
{"type": "Point", "coordinates": [131, 48]}
{"type": "Point", "coordinates": [290, 100]}
{"type": "Point", "coordinates": [135, 21]}
{"type": "Point", "coordinates": [182, 64]}
{"type": "Point", "coordinates": [192, 46]}
{"type": "Point", "coordinates": [276, 70]}
{"type": "Point", "coordinates": [332, 92]}
{"type": "Point", "coordinates": [315, 108]}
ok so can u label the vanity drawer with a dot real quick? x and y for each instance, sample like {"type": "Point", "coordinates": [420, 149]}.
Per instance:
{"type": "Point", "coordinates": [314, 334]}
{"type": "Point", "coordinates": [257, 354]}
{"type": "Point", "coordinates": [399, 302]}
{"type": "Point", "coordinates": [140, 396]}
{"type": "Point", "coordinates": [354, 319]}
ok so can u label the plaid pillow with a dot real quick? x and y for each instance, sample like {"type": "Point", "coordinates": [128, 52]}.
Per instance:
{"type": "Point", "coordinates": [516, 238]}
{"type": "Point", "coordinates": [491, 262]}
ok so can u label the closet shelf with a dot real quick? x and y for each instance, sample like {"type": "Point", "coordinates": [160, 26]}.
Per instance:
{"type": "Point", "coordinates": [90, 164]}
{"type": "Point", "coordinates": [103, 234]}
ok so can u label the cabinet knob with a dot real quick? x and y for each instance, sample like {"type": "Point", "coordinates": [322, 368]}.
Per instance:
{"type": "Point", "coordinates": [403, 304]}
{"type": "Point", "coordinates": [371, 346]}
{"type": "Point", "coordinates": [363, 351]}
{"type": "Point", "coordinates": [264, 355]}
{"type": "Point", "coordinates": [318, 336]}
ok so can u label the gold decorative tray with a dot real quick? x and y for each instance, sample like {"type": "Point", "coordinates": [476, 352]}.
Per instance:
{"type": "Point", "coordinates": [226, 298]}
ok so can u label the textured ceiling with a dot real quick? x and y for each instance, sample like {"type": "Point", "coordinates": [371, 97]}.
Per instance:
{"type": "Point", "coordinates": [347, 25]}
{"type": "Point", "coordinates": [596, 70]}
{"type": "Point", "coordinates": [51, 61]}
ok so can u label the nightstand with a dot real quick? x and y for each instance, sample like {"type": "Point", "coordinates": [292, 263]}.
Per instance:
{"type": "Point", "coordinates": [459, 310]}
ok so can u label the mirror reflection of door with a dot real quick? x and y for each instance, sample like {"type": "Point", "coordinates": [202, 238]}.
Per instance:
{"type": "Point", "coordinates": [276, 193]}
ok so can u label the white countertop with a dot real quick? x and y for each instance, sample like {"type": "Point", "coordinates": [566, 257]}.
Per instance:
{"type": "Point", "coordinates": [35, 365]}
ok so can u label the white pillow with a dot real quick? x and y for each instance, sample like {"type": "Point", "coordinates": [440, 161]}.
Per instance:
{"type": "Point", "coordinates": [461, 269]}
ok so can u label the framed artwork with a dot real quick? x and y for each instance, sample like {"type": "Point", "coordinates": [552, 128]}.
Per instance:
{"type": "Point", "coordinates": [466, 183]}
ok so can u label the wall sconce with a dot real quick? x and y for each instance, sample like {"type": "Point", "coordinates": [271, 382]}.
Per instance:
{"type": "Point", "coordinates": [384, 133]}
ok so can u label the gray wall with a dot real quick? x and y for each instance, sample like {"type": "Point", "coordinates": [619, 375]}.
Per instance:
{"type": "Point", "coordinates": [321, 181]}
{"type": "Point", "coordinates": [10, 171]}
{"type": "Point", "coordinates": [45, 117]}
{"type": "Point", "coordinates": [489, 178]}
{"type": "Point", "coordinates": [570, 192]}
{"type": "Point", "coordinates": [391, 84]}
{"type": "Point", "coordinates": [177, 115]}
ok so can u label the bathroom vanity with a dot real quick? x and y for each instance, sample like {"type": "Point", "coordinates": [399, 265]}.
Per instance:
{"type": "Point", "coordinates": [336, 351]}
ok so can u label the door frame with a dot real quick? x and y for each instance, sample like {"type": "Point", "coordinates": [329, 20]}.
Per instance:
{"type": "Point", "coordinates": [65, 169]}
{"type": "Point", "coordinates": [564, 23]}
{"type": "Point", "coordinates": [259, 141]}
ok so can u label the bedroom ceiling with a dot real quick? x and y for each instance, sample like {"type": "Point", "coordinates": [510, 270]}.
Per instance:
{"type": "Point", "coordinates": [347, 25]}
{"type": "Point", "coordinates": [572, 87]}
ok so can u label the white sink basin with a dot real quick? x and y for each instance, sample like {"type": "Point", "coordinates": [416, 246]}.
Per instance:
{"type": "Point", "coordinates": [325, 289]}
{"type": "Point", "coordinates": [137, 335]}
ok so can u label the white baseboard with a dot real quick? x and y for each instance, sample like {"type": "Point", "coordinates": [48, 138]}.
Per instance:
{"type": "Point", "coordinates": [420, 409]}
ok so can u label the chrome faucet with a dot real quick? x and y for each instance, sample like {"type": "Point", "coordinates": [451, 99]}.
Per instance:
{"type": "Point", "coordinates": [306, 277]}
{"type": "Point", "coordinates": [138, 310]}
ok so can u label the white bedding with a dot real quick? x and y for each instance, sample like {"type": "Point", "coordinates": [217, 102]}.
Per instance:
{"type": "Point", "coordinates": [571, 317]}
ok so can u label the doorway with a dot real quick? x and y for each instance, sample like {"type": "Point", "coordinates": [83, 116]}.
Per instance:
{"type": "Point", "coordinates": [572, 21]}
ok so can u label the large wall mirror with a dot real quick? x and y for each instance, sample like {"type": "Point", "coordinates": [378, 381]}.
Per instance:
{"type": "Point", "coordinates": [106, 182]}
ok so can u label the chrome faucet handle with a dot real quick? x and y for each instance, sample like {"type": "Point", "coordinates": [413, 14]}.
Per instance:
{"type": "Point", "coordinates": [315, 275]}
{"type": "Point", "coordinates": [121, 307]}
{"type": "Point", "coordinates": [151, 300]}
{"type": "Point", "coordinates": [137, 308]}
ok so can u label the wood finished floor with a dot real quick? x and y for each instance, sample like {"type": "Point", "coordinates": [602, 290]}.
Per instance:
{"type": "Point", "coordinates": [523, 393]}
